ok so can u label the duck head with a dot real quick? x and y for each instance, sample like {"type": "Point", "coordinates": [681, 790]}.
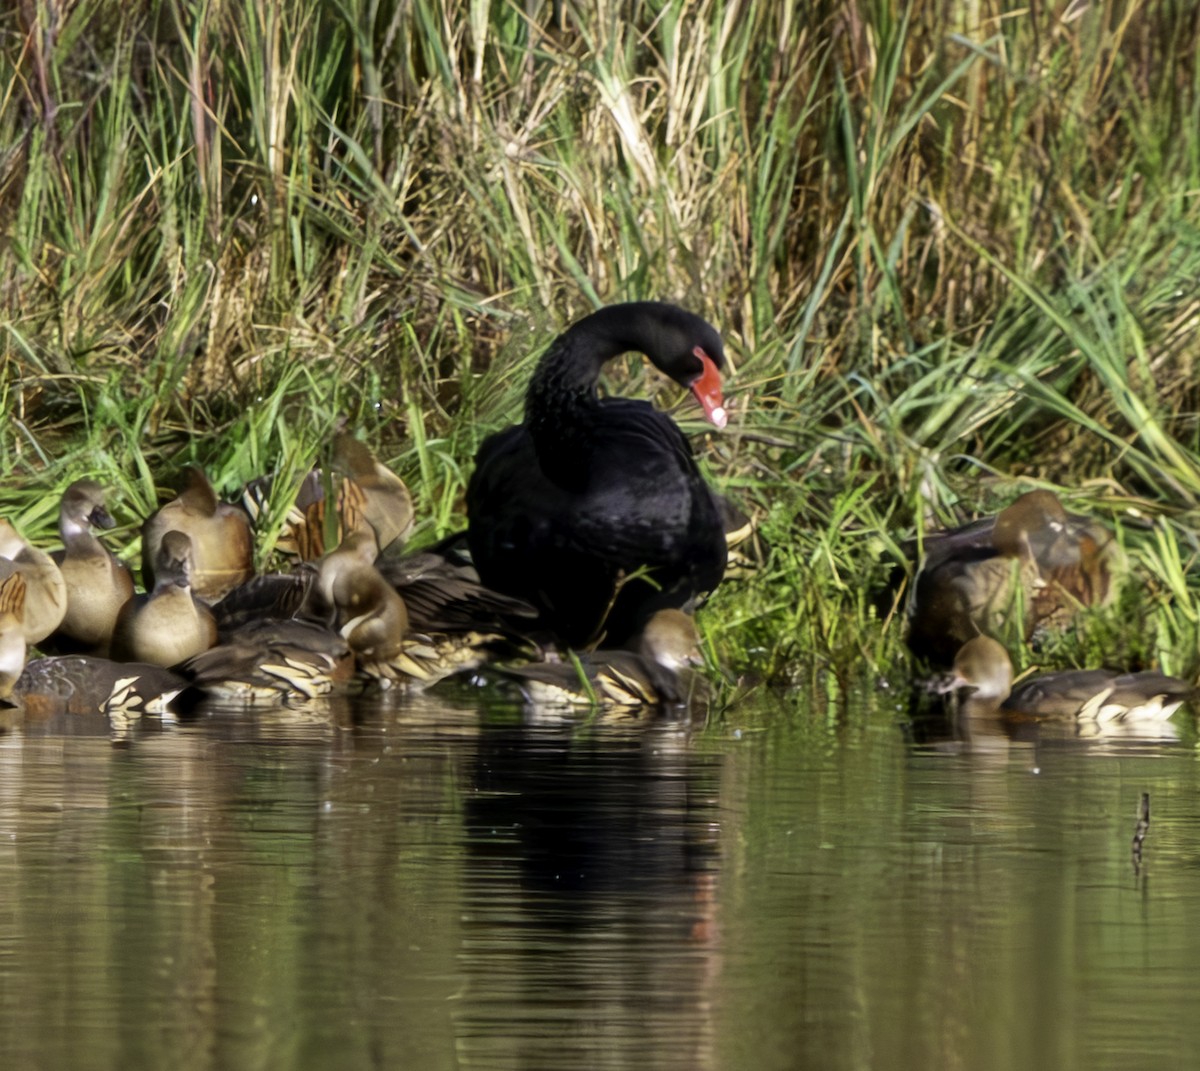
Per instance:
{"type": "Point", "coordinates": [1033, 526]}
{"type": "Point", "coordinates": [173, 562]}
{"type": "Point", "coordinates": [82, 509]}
{"type": "Point", "coordinates": [983, 666]}
{"type": "Point", "coordinates": [670, 640]}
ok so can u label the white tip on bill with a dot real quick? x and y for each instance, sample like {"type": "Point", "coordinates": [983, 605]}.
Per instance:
{"type": "Point", "coordinates": [718, 416]}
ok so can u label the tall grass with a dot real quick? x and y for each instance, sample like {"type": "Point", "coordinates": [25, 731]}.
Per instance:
{"type": "Point", "coordinates": [952, 248]}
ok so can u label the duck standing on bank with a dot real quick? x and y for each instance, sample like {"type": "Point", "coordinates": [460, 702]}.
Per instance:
{"type": "Point", "coordinates": [565, 508]}
{"type": "Point", "coordinates": [12, 634]}
{"type": "Point", "coordinates": [97, 584]}
{"type": "Point", "coordinates": [171, 623]}
{"type": "Point", "coordinates": [1033, 559]}
{"type": "Point", "coordinates": [222, 554]}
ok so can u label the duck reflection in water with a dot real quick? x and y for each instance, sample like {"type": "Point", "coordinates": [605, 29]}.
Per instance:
{"type": "Point", "coordinates": [590, 854]}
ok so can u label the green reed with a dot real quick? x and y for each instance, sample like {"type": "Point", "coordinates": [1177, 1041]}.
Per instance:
{"type": "Point", "coordinates": [952, 249]}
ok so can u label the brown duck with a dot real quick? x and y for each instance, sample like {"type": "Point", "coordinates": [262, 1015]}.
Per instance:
{"type": "Point", "coordinates": [368, 612]}
{"type": "Point", "coordinates": [170, 624]}
{"type": "Point", "coordinates": [72, 684]}
{"type": "Point", "coordinates": [657, 673]}
{"type": "Point", "coordinates": [1087, 695]}
{"type": "Point", "coordinates": [97, 584]}
{"type": "Point", "coordinates": [12, 634]}
{"type": "Point", "coordinates": [271, 662]}
{"type": "Point", "coordinates": [222, 543]}
{"type": "Point", "coordinates": [1032, 566]}
{"type": "Point", "coordinates": [45, 590]}
{"type": "Point", "coordinates": [83, 684]}
{"type": "Point", "coordinates": [367, 493]}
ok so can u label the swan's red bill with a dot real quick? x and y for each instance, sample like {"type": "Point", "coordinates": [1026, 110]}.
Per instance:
{"type": "Point", "coordinates": [707, 389]}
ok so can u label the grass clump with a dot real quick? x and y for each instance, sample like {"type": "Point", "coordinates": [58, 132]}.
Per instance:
{"type": "Point", "coordinates": [945, 244]}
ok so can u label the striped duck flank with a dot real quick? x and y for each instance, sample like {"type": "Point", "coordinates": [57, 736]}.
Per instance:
{"type": "Point", "coordinates": [454, 622]}
{"type": "Point", "coordinates": [222, 554]}
{"type": "Point", "coordinates": [425, 658]}
{"type": "Point", "coordinates": [1034, 559]}
{"type": "Point", "coordinates": [366, 493]}
{"type": "Point", "coordinates": [82, 684]}
{"type": "Point", "coordinates": [270, 662]}
{"type": "Point", "coordinates": [72, 684]}
{"type": "Point", "coordinates": [45, 589]}
{"type": "Point", "coordinates": [13, 648]}
{"type": "Point", "coordinates": [384, 500]}
{"type": "Point", "coordinates": [657, 673]}
{"type": "Point", "coordinates": [170, 624]}
{"type": "Point", "coordinates": [1084, 695]}
{"type": "Point", "coordinates": [97, 584]}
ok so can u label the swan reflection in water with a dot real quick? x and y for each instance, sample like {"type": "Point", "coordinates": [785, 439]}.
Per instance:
{"type": "Point", "coordinates": [593, 854]}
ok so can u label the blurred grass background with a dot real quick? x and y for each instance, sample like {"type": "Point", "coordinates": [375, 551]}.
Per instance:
{"type": "Point", "coordinates": [953, 248]}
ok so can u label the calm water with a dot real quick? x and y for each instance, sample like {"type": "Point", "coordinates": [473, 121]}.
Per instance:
{"type": "Point", "coordinates": [420, 884]}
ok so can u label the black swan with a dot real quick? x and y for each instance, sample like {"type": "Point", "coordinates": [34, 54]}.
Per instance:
{"type": "Point", "coordinates": [564, 509]}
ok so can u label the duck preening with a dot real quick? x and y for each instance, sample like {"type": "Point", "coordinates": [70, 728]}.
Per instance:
{"type": "Point", "coordinates": [983, 667]}
{"type": "Point", "coordinates": [410, 620]}
{"type": "Point", "coordinates": [369, 612]}
{"type": "Point", "coordinates": [1032, 566]}
{"type": "Point", "coordinates": [593, 510]}
{"type": "Point", "coordinates": [221, 536]}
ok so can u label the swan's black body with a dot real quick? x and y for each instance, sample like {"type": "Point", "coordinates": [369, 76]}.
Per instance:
{"type": "Point", "coordinates": [587, 490]}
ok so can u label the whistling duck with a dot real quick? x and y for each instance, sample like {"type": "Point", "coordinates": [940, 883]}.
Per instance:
{"type": "Point", "coordinates": [170, 624]}
{"type": "Point", "coordinates": [45, 590]}
{"type": "Point", "coordinates": [566, 507]}
{"type": "Point", "coordinates": [97, 584]}
{"type": "Point", "coordinates": [453, 622]}
{"type": "Point", "coordinates": [377, 493]}
{"type": "Point", "coordinates": [657, 673]}
{"type": "Point", "coordinates": [369, 613]}
{"type": "Point", "coordinates": [222, 544]}
{"type": "Point", "coordinates": [367, 492]}
{"type": "Point", "coordinates": [1033, 555]}
{"type": "Point", "coordinates": [1094, 695]}
{"type": "Point", "coordinates": [72, 684]}
{"type": "Point", "coordinates": [12, 633]}
{"type": "Point", "coordinates": [271, 661]}
{"type": "Point", "coordinates": [81, 684]}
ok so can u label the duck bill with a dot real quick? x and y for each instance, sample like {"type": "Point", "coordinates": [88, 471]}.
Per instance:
{"type": "Point", "coordinates": [707, 389]}
{"type": "Point", "coordinates": [101, 518]}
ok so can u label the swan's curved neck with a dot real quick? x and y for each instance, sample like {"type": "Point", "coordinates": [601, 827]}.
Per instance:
{"type": "Point", "coordinates": [565, 378]}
